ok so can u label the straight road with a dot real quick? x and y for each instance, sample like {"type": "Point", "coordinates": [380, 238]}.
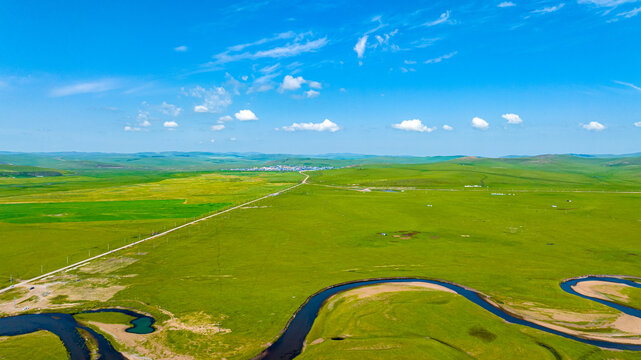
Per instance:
{"type": "Point", "coordinates": [83, 262]}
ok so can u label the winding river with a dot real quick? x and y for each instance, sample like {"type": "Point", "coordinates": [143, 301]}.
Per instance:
{"type": "Point", "coordinates": [66, 328]}
{"type": "Point", "coordinates": [291, 341]}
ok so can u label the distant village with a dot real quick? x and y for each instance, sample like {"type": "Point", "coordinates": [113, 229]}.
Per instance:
{"type": "Point", "coordinates": [284, 168]}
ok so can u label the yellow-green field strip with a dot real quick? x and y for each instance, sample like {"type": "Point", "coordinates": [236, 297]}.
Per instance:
{"type": "Point", "coordinates": [83, 262]}
{"type": "Point", "coordinates": [397, 188]}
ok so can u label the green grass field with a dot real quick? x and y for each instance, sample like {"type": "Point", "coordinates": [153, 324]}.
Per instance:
{"type": "Point", "coordinates": [246, 272]}
{"type": "Point", "coordinates": [41, 345]}
{"type": "Point", "coordinates": [50, 222]}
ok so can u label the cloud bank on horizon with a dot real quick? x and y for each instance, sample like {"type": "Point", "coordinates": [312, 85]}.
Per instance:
{"type": "Point", "coordinates": [487, 78]}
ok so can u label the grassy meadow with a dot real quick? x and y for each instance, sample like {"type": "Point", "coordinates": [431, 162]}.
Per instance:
{"type": "Point", "coordinates": [49, 222]}
{"type": "Point", "coordinates": [41, 345]}
{"type": "Point", "coordinates": [241, 276]}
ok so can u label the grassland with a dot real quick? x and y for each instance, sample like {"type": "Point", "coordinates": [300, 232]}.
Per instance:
{"type": "Point", "coordinates": [49, 222]}
{"type": "Point", "coordinates": [41, 345]}
{"type": "Point", "coordinates": [105, 318]}
{"type": "Point", "coordinates": [419, 324]}
{"type": "Point", "coordinates": [227, 286]}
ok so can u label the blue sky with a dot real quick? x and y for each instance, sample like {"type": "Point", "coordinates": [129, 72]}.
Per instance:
{"type": "Point", "coordinates": [420, 78]}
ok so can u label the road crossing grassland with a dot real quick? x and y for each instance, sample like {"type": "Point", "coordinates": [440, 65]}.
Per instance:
{"type": "Point", "coordinates": [29, 248]}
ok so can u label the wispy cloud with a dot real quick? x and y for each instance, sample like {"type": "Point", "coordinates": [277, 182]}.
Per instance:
{"type": "Point", "coordinates": [213, 100]}
{"type": "Point", "coordinates": [298, 46]}
{"type": "Point", "coordinates": [311, 93]}
{"type": "Point", "coordinates": [441, 19]}
{"type": "Point", "coordinates": [605, 3]}
{"type": "Point", "coordinates": [281, 36]}
{"type": "Point", "coordinates": [170, 109]}
{"type": "Point", "coordinates": [549, 9]}
{"type": "Point", "coordinates": [506, 4]}
{"type": "Point", "coordinates": [440, 58]}
{"type": "Point", "coordinates": [85, 88]}
{"type": "Point", "coordinates": [181, 48]}
{"type": "Point", "coordinates": [631, 13]}
{"type": "Point", "coordinates": [630, 85]}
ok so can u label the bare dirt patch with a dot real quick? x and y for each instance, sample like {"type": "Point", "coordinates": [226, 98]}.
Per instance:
{"type": "Point", "coordinates": [199, 323]}
{"type": "Point", "coordinates": [595, 326]}
{"type": "Point", "coordinates": [603, 290]}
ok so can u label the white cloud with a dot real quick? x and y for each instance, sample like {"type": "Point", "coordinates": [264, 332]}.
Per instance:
{"type": "Point", "coordinates": [142, 115]}
{"type": "Point", "coordinates": [447, 127]}
{"type": "Point", "coordinates": [505, 4]}
{"type": "Point", "coordinates": [631, 13]}
{"type": "Point", "coordinates": [85, 88]}
{"type": "Point", "coordinates": [232, 139]}
{"type": "Point", "coordinates": [360, 46]}
{"type": "Point", "coordinates": [443, 18]}
{"type": "Point", "coordinates": [549, 9]}
{"type": "Point", "coordinates": [326, 125]}
{"type": "Point", "coordinates": [292, 83]}
{"type": "Point", "coordinates": [212, 141]}
{"type": "Point", "coordinates": [181, 48]}
{"type": "Point", "coordinates": [170, 109]}
{"type": "Point", "coordinates": [214, 99]}
{"type": "Point", "coordinates": [637, 124]}
{"type": "Point", "coordinates": [296, 48]}
{"type": "Point", "coordinates": [605, 3]}
{"type": "Point", "coordinates": [281, 36]}
{"type": "Point", "coordinates": [409, 62]}
{"type": "Point", "coordinates": [263, 83]}
{"type": "Point", "coordinates": [131, 128]}
{"type": "Point", "coordinates": [314, 84]}
{"type": "Point", "coordinates": [143, 118]}
{"type": "Point", "coordinates": [413, 125]}
{"type": "Point", "coordinates": [311, 93]}
{"type": "Point", "coordinates": [630, 85]}
{"type": "Point", "coordinates": [440, 58]}
{"type": "Point", "coordinates": [593, 126]}
{"type": "Point", "coordinates": [512, 118]}
{"type": "Point", "coordinates": [217, 127]}
{"type": "Point", "coordinates": [245, 115]}
{"type": "Point", "coordinates": [479, 123]}
{"type": "Point", "coordinates": [170, 124]}
{"type": "Point", "coordinates": [225, 118]}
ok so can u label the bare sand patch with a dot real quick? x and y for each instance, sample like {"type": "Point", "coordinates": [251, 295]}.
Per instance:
{"type": "Point", "coordinates": [199, 323]}
{"type": "Point", "coordinates": [629, 324]}
{"type": "Point", "coordinates": [372, 290]}
{"type": "Point", "coordinates": [621, 328]}
{"type": "Point", "coordinates": [603, 290]}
